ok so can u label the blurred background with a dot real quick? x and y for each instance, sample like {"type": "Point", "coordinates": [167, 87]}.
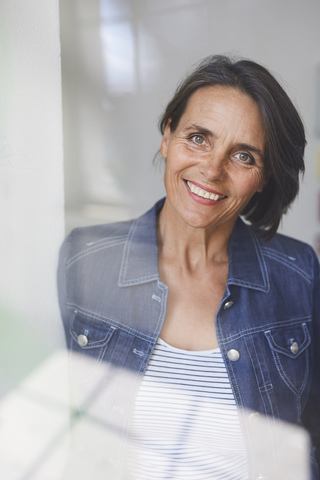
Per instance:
{"type": "Point", "coordinates": [122, 60]}
{"type": "Point", "coordinates": [83, 84]}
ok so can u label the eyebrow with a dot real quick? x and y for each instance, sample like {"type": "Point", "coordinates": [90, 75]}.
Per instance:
{"type": "Point", "coordinates": [251, 148]}
{"type": "Point", "coordinates": [209, 133]}
{"type": "Point", "coordinates": [200, 129]}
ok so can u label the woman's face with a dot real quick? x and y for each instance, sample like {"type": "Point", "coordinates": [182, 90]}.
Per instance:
{"type": "Point", "coordinates": [214, 158]}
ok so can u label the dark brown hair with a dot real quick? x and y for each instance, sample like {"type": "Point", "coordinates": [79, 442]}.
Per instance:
{"type": "Point", "coordinates": [284, 132]}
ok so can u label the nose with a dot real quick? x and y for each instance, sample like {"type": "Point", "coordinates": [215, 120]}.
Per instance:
{"type": "Point", "coordinates": [213, 167]}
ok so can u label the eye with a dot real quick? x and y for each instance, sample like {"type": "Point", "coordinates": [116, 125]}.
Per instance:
{"type": "Point", "coordinates": [245, 157]}
{"type": "Point", "coordinates": [197, 139]}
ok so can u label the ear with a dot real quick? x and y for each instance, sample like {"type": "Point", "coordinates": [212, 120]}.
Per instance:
{"type": "Point", "coordinates": [165, 140]}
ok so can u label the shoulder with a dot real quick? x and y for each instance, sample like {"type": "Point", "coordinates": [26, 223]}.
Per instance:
{"type": "Point", "coordinates": [291, 253]}
{"type": "Point", "coordinates": [100, 239]}
{"type": "Point", "coordinates": [95, 260]}
{"type": "Point", "coordinates": [85, 240]}
{"type": "Point", "coordinates": [287, 246]}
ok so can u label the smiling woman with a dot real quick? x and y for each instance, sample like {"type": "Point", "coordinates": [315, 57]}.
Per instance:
{"type": "Point", "coordinates": [216, 149]}
{"type": "Point", "coordinates": [282, 127]}
{"type": "Point", "coordinates": [215, 321]}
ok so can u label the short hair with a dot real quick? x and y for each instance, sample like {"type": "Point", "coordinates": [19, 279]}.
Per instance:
{"type": "Point", "coordinates": [284, 132]}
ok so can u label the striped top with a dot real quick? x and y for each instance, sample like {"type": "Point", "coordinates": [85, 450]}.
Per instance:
{"type": "Point", "coordinates": [185, 423]}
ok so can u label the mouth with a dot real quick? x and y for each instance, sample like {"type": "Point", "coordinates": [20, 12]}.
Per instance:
{"type": "Point", "coordinates": [202, 193]}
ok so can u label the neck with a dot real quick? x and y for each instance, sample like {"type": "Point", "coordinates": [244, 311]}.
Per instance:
{"type": "Point", "coordinates": [191, 246]}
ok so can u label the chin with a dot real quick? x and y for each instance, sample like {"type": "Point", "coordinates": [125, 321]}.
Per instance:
{"type": "Point", "coordinates": [195, 221]}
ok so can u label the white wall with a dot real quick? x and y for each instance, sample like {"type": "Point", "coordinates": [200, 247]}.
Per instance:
{"type": "Point", "coordinates": [147, 47]}
{"type": "Point", "coordinates": [31, 184]}
{"type": "Point", "coordinates": [33, 388]}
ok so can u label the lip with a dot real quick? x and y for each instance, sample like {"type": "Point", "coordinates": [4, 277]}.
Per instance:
{"type": "Point", "coordinates": [210, 190]}
{"type": "Point", "coordinates": [201, 200]}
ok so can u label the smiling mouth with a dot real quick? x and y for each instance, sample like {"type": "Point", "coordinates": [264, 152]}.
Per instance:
{"type": "Point", "coordinates": [200, 192]}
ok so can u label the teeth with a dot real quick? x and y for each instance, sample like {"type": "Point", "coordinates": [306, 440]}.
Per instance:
{"type": "Point", "coordinates": [202, 193]}
{"type": "Point", "coordinates": [214, 197]}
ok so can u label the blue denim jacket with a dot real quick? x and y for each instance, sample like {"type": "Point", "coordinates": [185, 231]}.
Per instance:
{"type": "Point", "coordinates": [113, 306]}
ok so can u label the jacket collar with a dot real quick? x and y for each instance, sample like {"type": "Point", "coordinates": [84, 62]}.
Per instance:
{"type": "Point", "coordinates": [140, 254]}
{"type": "Point", "coordinates": [247, 265]}
{"type": "Point", "coordinates": [139, 265]}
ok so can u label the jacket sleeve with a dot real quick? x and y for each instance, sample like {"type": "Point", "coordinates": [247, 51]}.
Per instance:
{"type": "Point", "coordinates": [311, 414]}
{"type": "Point", "coordinates": [62, 288]}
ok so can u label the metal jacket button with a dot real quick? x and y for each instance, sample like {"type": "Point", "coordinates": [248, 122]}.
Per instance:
{"type": "Point", "coordinates": [82, 340]}
{"type": "Point", "coordinates": [294, 348]}
{"type": "Point", "coordinates": [233, 355]}
{"type": "Point", "coordinates": [228, 305]}
{"type": "Point", "coordinates": [254, 417]}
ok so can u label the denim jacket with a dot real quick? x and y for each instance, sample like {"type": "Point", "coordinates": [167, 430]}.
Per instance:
{"type": "Point", "coordinates": [113, 306]}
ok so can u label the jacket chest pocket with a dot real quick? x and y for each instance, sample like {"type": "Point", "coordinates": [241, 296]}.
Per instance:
{"type": "Point", "coordinates": [289, 347]}
{"type": "Point", "coordinates": [90, 339]}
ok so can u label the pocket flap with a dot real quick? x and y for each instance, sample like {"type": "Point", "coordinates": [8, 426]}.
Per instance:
{"type": "Point", "coordinates": [89, 332]}
{"type": "Point", "coordinates": [290, 341]}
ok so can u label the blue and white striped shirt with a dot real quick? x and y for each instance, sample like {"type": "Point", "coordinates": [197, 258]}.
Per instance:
{"type": "Point", "coordinates": [185, 423]}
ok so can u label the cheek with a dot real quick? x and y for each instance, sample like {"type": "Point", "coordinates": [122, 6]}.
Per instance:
{"type": "Point", "coordinates": [180, 157]}
{"type": "Point", "coordinates": [249, 185]}
{"type": "Point", "coordinates": [167, 175]}
{"type": "Point", "coordinates": [257, 178]}
{"type": "Point", "coordinates": [172, 174]}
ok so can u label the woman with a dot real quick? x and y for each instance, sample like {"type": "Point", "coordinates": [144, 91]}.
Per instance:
{"type": "Point", "coordinates": [213, 322]}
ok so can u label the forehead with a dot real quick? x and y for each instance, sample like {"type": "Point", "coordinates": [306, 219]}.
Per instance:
{"type": "Point", "coordinates": [220, 107]}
